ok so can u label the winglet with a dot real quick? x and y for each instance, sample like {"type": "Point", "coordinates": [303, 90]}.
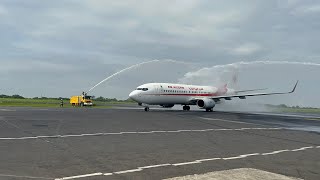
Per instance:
{"type": "Point", "coordinates": [295, 86]}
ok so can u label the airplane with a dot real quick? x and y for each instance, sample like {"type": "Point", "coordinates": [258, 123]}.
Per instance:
{"type": "Point", "coordinates": [205, 97]}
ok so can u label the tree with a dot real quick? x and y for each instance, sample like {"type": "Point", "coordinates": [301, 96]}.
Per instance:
{"type": "Point", "coordinates": [4, 96]}
{"type": "Point", "coordinates": [100, 98]}
{"type": "Point", "coordinates": [283, 106]}
{"type": "Point", "coordinates": [16, 96]}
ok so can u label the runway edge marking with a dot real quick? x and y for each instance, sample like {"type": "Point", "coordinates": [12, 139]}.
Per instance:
{"type": "Point", "coordinates": [130, 132]}
{"type": "Point", "coordinates": [139, 169]}
{"type": "Point", "coordinates": [80, 176]}
{"type": "Point", "coordinates": [24, 177]}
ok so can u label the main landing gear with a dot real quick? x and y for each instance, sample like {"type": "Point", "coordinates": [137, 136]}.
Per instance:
{"type": "Point", "coordinates": [146, 109]}
{"type": "Point", "coordinates": [186, 108]}
{"type": "Point", "coordinates": [209, 110]}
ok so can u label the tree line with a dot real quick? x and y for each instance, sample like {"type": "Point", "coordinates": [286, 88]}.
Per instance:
{"type": "Point", "coordinates": [100, 98]}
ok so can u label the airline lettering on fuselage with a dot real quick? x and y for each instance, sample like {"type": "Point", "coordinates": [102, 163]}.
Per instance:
{"type": "Point", "coordinates": [190, 88]}
{"type": "Point", "coordinates": [176, 87]}
{"type": "Point", "coordinates": [195, 89]}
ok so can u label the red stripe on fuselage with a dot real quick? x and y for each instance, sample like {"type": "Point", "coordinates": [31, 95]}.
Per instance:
{"type": "Point", "coordinates": [185, 94]}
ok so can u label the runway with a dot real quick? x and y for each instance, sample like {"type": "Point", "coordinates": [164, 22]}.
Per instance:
{"type": "Point", "coordinates": [128, 143]}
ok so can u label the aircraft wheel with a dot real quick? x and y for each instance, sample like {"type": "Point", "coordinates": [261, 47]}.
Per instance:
{"type": "Point", "coordinates": [184, 108]}
{"type": "Point", "coordinates": [146, 109]}
{"type": "Point", "coordinates": [188, 108]}
{"type": "Point", "coordinates": [209, 110]}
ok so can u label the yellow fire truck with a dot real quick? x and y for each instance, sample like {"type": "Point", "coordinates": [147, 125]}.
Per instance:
{"type": "Point", "coordinates": [82, 100]}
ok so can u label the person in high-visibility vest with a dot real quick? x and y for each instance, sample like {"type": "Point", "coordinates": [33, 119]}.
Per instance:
{"type": "Point", "coordinates": [61, 103]}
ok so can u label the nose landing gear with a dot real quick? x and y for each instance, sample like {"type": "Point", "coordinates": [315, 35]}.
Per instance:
{"type": "Point", "coordinates": [146, 109]}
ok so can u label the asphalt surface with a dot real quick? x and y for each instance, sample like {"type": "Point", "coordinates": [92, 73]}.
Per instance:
{"type": "Point", "coordinates": [128, 143]}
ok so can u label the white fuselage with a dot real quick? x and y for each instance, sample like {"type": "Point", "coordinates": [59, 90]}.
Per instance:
{"type": "Point", "coordinates": [170, 94]}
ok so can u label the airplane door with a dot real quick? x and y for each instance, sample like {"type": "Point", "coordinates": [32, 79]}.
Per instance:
{"type": "Point", "coordinates": [160, 89]}
{"type": "Point", "coordinates": [157, 90]}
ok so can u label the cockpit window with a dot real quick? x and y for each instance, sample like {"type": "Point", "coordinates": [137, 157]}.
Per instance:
{"type": "Point", "coordinates": [142, 89]}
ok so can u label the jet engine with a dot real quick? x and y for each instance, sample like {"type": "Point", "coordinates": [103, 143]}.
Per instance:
{"type": "Point", "coordinates": [206, 103]}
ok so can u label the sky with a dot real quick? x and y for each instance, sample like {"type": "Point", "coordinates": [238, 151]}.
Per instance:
{"type": "Point", "coordinates": [61, 48]}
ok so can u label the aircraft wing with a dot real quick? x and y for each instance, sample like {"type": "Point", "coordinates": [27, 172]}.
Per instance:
{"type": "Point", "coordinates": [242, 91]}
{"type": "Point", "coordinates": [243, 96]}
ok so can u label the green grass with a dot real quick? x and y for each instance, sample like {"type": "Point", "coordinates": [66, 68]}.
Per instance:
{"type": "Point", "coordinates": [298, 110]}
{"type": "Point", "coordinates": [48, 103]}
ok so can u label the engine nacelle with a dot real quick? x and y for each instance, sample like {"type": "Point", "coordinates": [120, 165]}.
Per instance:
{"type": "Point", "coordinates": [206, 103]}
{"type": "Point", "coordinates": [167, 105]}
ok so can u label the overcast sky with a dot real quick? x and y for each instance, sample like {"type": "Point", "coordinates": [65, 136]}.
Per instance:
{"type": "Point", "coordinates": [61, 48]}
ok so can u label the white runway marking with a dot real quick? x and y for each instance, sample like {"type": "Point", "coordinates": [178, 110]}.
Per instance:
{"type": "Point", "coordinates": [158, 131]}
{"type": "Point", "coordinates": [192, 162]}
{"type": "Point", "coordinates": [128, 171]}
{"type": "Point", "coordinates": [230, 158]}
{"type": "Point", "coordinates": [122, 133]}
{"type": "Point", "coordinates": [80, 176]}
{"type": "Point", "coordinates": [154, 166]}
{"type": "Point", "coordinates": [186, 163]}
{"type": "Point", "coordinates": [8, 110]}
{"type": "Point", "coordinates": [275, 152]}
{"type": "Point", "coordinates": [241, 156]}
{"type": "Point", "coordinates": [247, 155]}
{"type": "Point", "coordinates": [239, 122]}
{"type": "Point", "coordinates": [128, 132]}
{"type": "Point", "coordinates": [210, 159]}
{"type": "Point", "coordinates": [302, 149]}
{"type": "Point", "coordinates": [23, 177]}
{"type": "Point", "coordinates": [108, 174]}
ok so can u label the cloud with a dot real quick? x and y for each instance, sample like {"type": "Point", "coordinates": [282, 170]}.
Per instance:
{"type": "Point", "coordinates": [246, 49]}
{"type": "Point", "coordinates": [45, 40]}
{"type": "Point", "coordinates": [307, 9]}
{"type": "Point", "coordinates": [3, 11]}
{"type": "Point", "coordinates": [34, 65]}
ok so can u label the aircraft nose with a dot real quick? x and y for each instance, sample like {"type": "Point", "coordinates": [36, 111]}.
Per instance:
{"type": "Point", "coordinates": [133, 95]}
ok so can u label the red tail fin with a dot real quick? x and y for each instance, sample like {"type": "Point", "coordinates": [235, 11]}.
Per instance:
{"type": "Point", "coordinates": [223, 90]}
